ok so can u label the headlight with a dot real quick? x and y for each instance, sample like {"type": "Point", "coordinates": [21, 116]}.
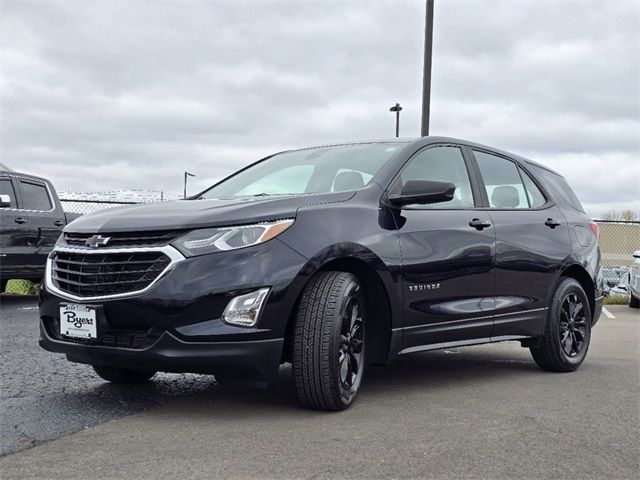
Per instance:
{"type": "Point", "coordinates": [212, 240]}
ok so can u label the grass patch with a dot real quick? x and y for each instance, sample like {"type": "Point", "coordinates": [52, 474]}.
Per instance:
{"type": "Point", "coordinates": [22, 287]}
{"type": "Point", "coordinates": [616, 300]}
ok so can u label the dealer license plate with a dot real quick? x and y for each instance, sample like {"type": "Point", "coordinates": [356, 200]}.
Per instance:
{"type": "Point", "coordinates": [78, 321]}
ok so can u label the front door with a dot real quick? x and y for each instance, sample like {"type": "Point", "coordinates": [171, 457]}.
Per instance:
{"type": "Point", "coordinates": [447, 257]}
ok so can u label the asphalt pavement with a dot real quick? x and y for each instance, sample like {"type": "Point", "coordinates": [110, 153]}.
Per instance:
{"type": "Point", "coordinates": [44, 397]}
{"type": "Point", "coordinates": [478, 412]}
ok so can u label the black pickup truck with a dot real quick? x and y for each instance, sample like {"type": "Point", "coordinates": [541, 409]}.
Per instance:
{"type": "Point", "coordinates": [31, 220]}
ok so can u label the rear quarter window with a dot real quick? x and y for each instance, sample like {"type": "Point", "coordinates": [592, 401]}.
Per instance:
{"type": "Point", "coordinates": [557, 187]}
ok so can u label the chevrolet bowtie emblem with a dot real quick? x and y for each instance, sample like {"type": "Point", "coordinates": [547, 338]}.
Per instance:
{"type": "Point", "coordinates": [97, 241]}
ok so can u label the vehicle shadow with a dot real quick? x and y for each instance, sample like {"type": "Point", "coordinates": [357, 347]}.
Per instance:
{"type": "Point", "coordinates": [414, 374]}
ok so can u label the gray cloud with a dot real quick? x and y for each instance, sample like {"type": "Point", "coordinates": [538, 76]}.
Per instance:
{"type": "Point", "coordinates": [105, 95]}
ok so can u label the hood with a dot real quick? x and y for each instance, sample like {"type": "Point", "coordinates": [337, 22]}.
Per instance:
{"type": "Point", "coordinates": [188, 214]}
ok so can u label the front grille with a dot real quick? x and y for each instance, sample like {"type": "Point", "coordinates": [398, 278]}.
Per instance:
{"type": "Point", "coordinates": [98, 274]}
{"type": "Point", "coordinates": [124, 239]}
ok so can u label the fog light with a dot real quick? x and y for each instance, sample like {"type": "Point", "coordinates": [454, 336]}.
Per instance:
{"type": "Point", "coordinates": [244, 310]}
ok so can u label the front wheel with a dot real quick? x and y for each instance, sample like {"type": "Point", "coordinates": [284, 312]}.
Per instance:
{"type": "Point", "coordinates": [328, 347]}
{"type": "Point", "coordinates": [634, 302]}
{"type": "Point", "coordinates": [123, 375]}
{"type": "Point", "coordinates": [567, 331]}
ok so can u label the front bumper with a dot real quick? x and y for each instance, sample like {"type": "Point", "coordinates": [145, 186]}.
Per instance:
{"type": "Point", "coordinates": [176, 325]}
{"type": "Point", "coordinates": [257, 360]}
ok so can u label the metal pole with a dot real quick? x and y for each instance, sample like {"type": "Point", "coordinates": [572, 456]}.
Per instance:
{"type": "Point", "coordinates": [397, 108]}
{"type": "Point", "coordinates": [426, 81]}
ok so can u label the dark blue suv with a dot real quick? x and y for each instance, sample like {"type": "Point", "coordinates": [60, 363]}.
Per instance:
{"type": "Point", "coordinates": [330, 258]}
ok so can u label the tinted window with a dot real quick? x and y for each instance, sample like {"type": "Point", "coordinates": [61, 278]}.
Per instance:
{"type": "Point", "coordinates": [557, 187]}
{"type": "Point", "coordinates": [502, 181]}
{"type": "Point", "coordinates": [442, 164]}
{"type": "Point", "coordinates": [6, 188]}
{"type": "Point", "coordinates": [535, 196]}
{"type": "Point", "coordinates": [34, 196]}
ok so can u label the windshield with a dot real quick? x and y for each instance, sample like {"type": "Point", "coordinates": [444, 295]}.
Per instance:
{"type": "Point", "coordinates": [317, 170]}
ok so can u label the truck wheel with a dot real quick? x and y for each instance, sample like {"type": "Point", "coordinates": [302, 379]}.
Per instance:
{"type": "Point", "coordinates": [567, 332]}
{"type": "Point", "coordinates": [634, 302]}
{"type": "Point", "coordinates": [328, 344]}
{"type": "Point", "coordinates": [123, 375]}
{"type": "Point", "coordinates": [3, 284]}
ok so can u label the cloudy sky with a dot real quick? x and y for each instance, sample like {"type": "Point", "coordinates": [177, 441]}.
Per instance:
{"type": "Point", "coordinates": [100, 95]}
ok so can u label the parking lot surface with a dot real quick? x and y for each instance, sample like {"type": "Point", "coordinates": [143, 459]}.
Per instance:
{"type": "Point", "coordinates": [476, 412]}
{"type": "Point", "coordinates": [43, 397]}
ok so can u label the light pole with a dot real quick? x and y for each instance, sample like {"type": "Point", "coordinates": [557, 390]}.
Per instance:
{"type": "Point", "coordinates": [186, 174]}
{"type": "Point", "coordinates": [426, 74]}
{"type": "Point", "coordinates": [397, 108]}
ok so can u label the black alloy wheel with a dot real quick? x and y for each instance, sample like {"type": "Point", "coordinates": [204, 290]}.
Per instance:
{"type": "Point", "coordinates": [573, 328]}
{"type": "Point", "coordinates": [567, 330]}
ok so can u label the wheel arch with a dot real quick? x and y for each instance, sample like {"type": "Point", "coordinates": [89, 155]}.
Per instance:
{"type": "Point", "coordinates": [379, 297]}
{"type": "Point", "coordinates": [580, 274]}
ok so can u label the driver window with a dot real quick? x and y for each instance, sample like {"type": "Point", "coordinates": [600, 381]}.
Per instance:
{"type": "Point", "coordinates": [442, 164]}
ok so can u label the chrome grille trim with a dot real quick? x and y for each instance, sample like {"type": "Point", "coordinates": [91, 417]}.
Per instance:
{"type": "Point", "coordinates": [174, 255]}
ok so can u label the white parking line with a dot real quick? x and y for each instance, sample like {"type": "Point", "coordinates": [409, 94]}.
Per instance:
{"type": "Point", "coordinates": [607, 313]}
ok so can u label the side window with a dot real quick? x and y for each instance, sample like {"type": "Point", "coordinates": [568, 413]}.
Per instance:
{"type": "Point", "coordinates": [502, 181]}
{"type": "Point", "coordinates": [35, 196]}
{"type": "Point", "coordinates": [6, 188]}
{"type": "Point", "coordinates": [535, 196]}
{"type": "Point", "coordinates": [442, 164]}
{"type": "Point", "coordinates": [558, 187]}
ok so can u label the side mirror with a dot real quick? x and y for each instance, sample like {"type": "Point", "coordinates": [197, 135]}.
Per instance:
{"type": "Point", "coordinates": [5, 201]}
{"type": "Point", "coordinates": [423, 192]}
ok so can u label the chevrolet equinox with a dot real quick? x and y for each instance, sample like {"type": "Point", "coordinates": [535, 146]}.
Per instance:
{"type": "Point", "coordinates": [333, 259]}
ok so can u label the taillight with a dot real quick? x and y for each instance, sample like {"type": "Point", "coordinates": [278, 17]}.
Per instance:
{"type": "Point", "coordinates": [595, 228]}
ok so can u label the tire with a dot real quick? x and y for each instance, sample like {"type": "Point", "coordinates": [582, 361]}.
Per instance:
{"type": "Point", "coordinates": [328, 344]}
{"type": "Point", "coordinates": [3, 284]}
{"type": "Point", "coordinates": [569, 318]}
{"type": "Point", "coordinates": [123, 375]}
{"type": "Point", "coordinates": [634, 302]}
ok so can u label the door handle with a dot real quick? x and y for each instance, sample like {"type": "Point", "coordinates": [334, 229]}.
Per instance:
{"type": "Point", "coordinates": [551, 223]}
{"type": "Point", "coordinates": [479, 224]}
{"type": "Point", "coordinates": [21, 220]}
{"type": "Point", "coordinates": [59, 223]}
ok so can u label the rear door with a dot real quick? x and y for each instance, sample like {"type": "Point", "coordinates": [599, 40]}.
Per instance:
{"type": "Point", "coordinates": [447, 264]}
{"type": "Point", "coordinates": [14, 232]}
{"type": "Point", "coordinates": [45, 221]}
{"type": "Point", "coordinates": [532, 244]}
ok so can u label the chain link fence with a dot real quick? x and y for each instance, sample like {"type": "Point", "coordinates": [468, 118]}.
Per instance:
{"type": "Point", "coordinates": [618, 240]}
{"type": "Point", "coordinates": [81, 207]}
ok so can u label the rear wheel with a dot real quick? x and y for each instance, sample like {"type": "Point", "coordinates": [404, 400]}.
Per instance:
{"type": "Point", "coordinates": [567, 332]}
{"type": "Point", "coordinates": [634, 302]}
{"type": "Point", "coordinates": [328, 350]}
{"type": "Point", "coordinates": [123, 375]}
